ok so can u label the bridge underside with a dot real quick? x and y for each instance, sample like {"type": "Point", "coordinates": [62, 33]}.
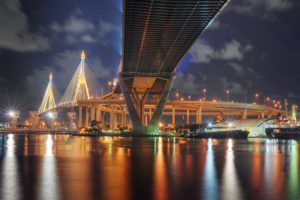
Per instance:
{"type": "Point", "coordinates": [156, 36]}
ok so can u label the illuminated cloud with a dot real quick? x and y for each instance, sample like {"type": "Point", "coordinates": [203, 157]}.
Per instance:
{"type": "Point", "coordinates": [15, 33]}
{"type": "Point", "coordinates": [202, 52]}
{"type": "Point", "coordinates": [77, 29]}
{"type": "Point", "coordinates": [263, 8]}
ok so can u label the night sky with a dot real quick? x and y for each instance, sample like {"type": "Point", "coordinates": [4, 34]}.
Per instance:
{"type": "Point", "coordinates": [251, 47]}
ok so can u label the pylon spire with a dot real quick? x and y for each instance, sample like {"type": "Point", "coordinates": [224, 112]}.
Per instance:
{"type": "Point", "coordinates": [82, 54]}
{"type": "Point", "coordinates": [48, 101]}
{"type": "Point", "coordinates": [78, 87]}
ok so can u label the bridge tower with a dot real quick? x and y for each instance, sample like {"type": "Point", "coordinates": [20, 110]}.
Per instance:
{"type": "Point", "coordinates": [78, 88]}
{"type": "Point", "coordinates": [48, 101]}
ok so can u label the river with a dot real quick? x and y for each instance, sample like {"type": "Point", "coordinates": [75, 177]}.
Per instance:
{"type": "Point", "coordinates": [122, 168]}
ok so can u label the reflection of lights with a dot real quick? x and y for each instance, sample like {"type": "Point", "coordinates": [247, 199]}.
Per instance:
{"type": "Point", "coordinates": [49, 145]}
{"type": "Point", "coordinates": [229, 145]}
{"type": "Point", "coordinates": [210, 180]}
{"type": "Point", "coordinates": [9, 172]}
{"type": "Point", "coordinates": [230, 183]}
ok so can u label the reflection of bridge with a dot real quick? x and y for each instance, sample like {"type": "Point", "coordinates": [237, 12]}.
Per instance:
{"type": "Point", "coordinates": [156, 36]}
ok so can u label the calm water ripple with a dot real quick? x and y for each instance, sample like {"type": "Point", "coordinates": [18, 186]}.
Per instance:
{"type": "Point", "coordinates": [71, 168]}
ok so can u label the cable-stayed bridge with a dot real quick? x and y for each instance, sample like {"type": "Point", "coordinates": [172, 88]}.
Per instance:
{"type": "Point", "coordinates": [156, 36]}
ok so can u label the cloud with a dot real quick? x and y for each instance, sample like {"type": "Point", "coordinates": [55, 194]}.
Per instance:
{"type": "Point", "coordinates": [264, 8]}
{"type": "Point", "coordinates": [241, 70]}
{"type": "Point", "coordinates": [202, 52]}
{"type": "Point", "coordinates": [77, 29]}
{"type": "Point", "coordinates": [15, 32]}
{"type": "Point", "coordinates": [233, 86]}
{"type": "Point", "coordinates": [188, 84]}
{"type": "Point", "coordinates": [73, 25]}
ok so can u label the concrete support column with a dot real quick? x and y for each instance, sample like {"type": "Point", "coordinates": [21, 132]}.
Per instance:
{"type": "Point", "coordinates": [93, 113]}
{"type": "Point", "coordinates": [199, 115]}
{"type": "Point", "coordinates": [80, 117]}
{"type": "Point", "coordinates": [146, 120]}
{"type": "Point", "coordinates": [153, 125]}
{"type": "Point", "coordinates": [150, 113]}
{"type": "Point", "coordinates": [123, 120]}
{"type": "Point", "coordinates": [173, 117]}
{"type": "Point", "coordinates": [263, 115]}
{"type": "Point", "coordinates": [134, 115]}
{"type": "Point", "coordinates": [187, 116]}
{"type": "Point", "coordinates": [87, 117]}
{"type": "Point", "coordinates": [112, 119]}
{"type": "Point", "coordinates": [244, 114]}
{"type": "Point", "coordinates": [98, 114]}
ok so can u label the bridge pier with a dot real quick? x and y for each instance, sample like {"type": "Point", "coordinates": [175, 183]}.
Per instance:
{"type": "Point", "coordinates": [244, 114]}
{"type": "Point", "coordinates": [98, 114]}
{"type": "Point", "coordinates": [187, 116]}
{"type": "Point", "coordinates": [86, 124]}
{"type": "Point", "coordinates": [93, 112]}
{"type": "Point", "coordinates": [135, 101]}
{"type": "Point", "coordinates": [153, 125]}
{"type": "Point", "coordinates": [173, 117]}
{"type": "Point", "coordinates": [199, 115]}
{"type": "Point", "coordinates": [80, 116]}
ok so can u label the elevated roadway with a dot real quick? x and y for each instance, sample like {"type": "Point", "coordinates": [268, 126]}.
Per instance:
{"type": "Point", "coordinates": [156, 36]}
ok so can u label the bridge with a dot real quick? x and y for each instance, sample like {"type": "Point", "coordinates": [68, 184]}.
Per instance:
{"type": "Point", "coordinates": [113, 106]}
{"type": "Point", "coordinates": [156, 36]}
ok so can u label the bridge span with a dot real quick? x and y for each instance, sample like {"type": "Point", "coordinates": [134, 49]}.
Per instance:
{"type": "Point", "coordinates": [156, 36]}
{"type": "Point", "coordinates": [192, 111]}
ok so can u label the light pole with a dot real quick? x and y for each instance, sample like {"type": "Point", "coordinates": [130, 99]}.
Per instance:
{"type": "Point", "coordinates": [228, 93]}
{"type": "Point", "coordinates": [268, 99]}
{"type": "Point", "coordinates": [204, 93]}
{"type": "Point", "coordinates": [109, 84]}
{"type": "Point", "coordinates": [257, 97]}
{"type": "Point", "coordinates": [177, 95]}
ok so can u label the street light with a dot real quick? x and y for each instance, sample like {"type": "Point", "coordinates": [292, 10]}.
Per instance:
{"type": "Point", "coordinates": [11, 114]}
{"type": "Point", "coordinates": [204, 93]}
{"type": "Point", "coordinates": [50, 115]}
{"type": "Point", "coordinates": [177, 94]}
{"type": "Point", "coordinates": [189, 97]}
{"type": "Point", "coordinates": [228, 93]}
{"type": "Point", "coordinates": [109, 84]}
{"type": "Point", "coordinates": [256, 96]}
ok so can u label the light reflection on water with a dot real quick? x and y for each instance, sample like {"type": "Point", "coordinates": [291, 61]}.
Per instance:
{"type": "Point", "coordinates": [66, 167]}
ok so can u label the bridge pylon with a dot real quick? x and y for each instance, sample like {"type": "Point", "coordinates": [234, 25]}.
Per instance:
{"type": "Point", "coordinates": [78, 88]}
{"type": "Point", "coordinates": [48, 101]}
{"type": "Point", "coordinates": [137, 96]}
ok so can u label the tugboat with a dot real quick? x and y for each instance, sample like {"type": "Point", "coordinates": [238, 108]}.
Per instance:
{"type": "Point", "coordinates": [283, 128]}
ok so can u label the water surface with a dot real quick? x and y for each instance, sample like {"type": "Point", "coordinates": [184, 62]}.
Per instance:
{"type": "Point", "coordinates": [117, 168]}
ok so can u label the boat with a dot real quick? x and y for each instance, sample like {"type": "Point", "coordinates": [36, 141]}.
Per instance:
{"type": "Point", "coordinates": [234, 134]}
{"type": "Point", "coordinates": [218, 131]}
{"type": "Point", "coordinates": [283, 128]}
{"type": "Point", "coordinates": [283, 132]}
